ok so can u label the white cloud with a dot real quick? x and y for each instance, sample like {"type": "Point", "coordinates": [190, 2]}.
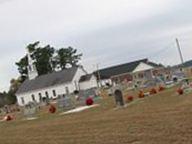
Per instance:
{"type": "Point", "coordinates": [42, 17]}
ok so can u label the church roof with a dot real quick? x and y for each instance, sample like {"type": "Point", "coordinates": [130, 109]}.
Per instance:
{"type": "Point", "coordinates": [48, 80]}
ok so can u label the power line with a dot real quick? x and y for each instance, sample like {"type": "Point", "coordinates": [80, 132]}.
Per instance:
{"type": "Point", "coordinates": [151, 55]}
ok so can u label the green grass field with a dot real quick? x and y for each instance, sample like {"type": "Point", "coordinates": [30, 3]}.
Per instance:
{"type": "Point", "coordinates": [164, 118]}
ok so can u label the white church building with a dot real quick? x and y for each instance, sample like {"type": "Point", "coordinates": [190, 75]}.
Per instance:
{"type": "Point", "coordinates": [35, 88]}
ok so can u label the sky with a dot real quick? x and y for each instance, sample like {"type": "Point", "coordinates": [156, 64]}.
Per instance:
{"type": "Point", "coordinates": [107, 32]}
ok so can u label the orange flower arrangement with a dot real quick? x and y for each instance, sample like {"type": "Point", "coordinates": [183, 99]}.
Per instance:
{"type": "Point", "coordinates": [153, 91]}
{"type": "Point", "coordinates": [161, 88]}
{"type": "Point", "coordinates": [141, 94]}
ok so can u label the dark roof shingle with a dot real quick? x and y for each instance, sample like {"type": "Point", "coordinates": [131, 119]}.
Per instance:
{"type": "Point", "coordinates": [123, 68]}
{"type": "Point", "coordinates": [48, 80]}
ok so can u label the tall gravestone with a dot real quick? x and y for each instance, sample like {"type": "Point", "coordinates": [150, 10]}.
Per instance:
{"type": "Point", "coordinates": [118, 95]}
{"type": "Point", "coordinates": [119, 98]}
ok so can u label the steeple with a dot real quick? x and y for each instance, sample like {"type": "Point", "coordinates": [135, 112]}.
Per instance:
{"type": "Point", "coordinates": [32, 70]}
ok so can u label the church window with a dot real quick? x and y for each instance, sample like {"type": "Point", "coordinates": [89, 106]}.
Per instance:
{"type": "Point", "coordinates": [47, 94]}
{"type": "Point", "coordinates": [22, 100]}
{"type": "Point", "coordinates": [67, 90]}
{"type": "Point", "coordinates": [40, 97]}
{"type": "Point", "coordinates": [33, 97]}
{"type": "Point", "coordinates": [54, 93]}
{"type": "Point", "coordinates": [30, 68]}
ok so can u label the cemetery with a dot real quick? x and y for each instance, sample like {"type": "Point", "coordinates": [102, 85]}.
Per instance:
{"type": "Point", "coordinates": [116, 105]}
{"type": "Point", "coordinates": [71, 106]}
{"type": "Point", "coordinates": [95, 117]}
{"type": "Point", "coordinates": [95, 72]}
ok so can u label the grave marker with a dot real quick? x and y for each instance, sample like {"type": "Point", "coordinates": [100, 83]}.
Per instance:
{"type": "Point", "coordinates": [118, 95]}
{"type": "Point", "coordinates": [65, 102]}
{"type": "Point", "coordinates": [86, 94]}
{"type": "Point", "coordinates": [30, 110]}
{"type": "Point", "coordinates": [119, 98]}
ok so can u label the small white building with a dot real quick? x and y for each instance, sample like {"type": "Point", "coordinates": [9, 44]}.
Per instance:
{"type": "Point", "coordinates": [88, 81]}
{"type": "Point", "coordinates": [51, 85]}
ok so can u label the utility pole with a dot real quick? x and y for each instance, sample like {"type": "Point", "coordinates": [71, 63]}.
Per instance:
{"type": "Point", "coordinates": [180, 53]}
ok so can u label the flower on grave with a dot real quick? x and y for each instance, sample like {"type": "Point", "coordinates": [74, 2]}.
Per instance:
{"type": "Point", "coordinates": [153, 91]}
{"type": "Point", "coordinates": [52, 109]}
{"type": "Point", "coordinates": [141, 94]}
{"type": "Point", "coordinates": [161, 88]}
{"type": "Point", "coordinates": [89, 101]}
{"type": "Point", "coordinates": [180, 91]}
{"type": "Point", "coordinates": [8, 118]}
{"type": "Point", "coordinates": [130, 98]}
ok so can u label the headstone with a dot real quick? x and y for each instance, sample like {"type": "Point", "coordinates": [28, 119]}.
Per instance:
{"type": "Point", "coordinates": [81, 99]}
{"type": "Point", "coordinates": [7, 109]}
{"type": "Point", "coordinates": [86, 94]}
{"type": "Point", "coordinates": [119, 97]}
{"type": "Point", "coordinates": [30, 110]}
{"type": "Point", "coordinates": [65, 102]}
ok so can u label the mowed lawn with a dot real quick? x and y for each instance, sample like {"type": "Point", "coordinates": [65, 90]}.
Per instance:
{"type": "Point", "coordinates": [165, 118]}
